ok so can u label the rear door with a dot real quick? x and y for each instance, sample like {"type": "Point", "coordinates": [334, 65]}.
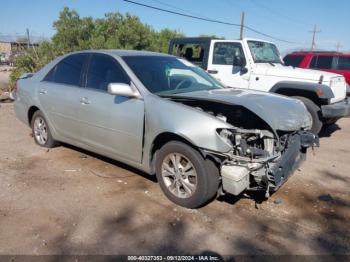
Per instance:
{"type": "Point", "coordinates": [323, 62]}
{"type": "Point", "coordinates": [328, 63]}
{"type": "Point", "coordinates": [220, 64]}
{"type": "Point", "coordinates": [112, 124]}
{"type": "Point", "coordinates": [343, 67]}
{"type": "Point", "coordinates": [59, 94]}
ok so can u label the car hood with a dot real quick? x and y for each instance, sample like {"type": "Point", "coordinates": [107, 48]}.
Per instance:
{"type": "Point", "coordinates": [279, 70]}
{"type": "Point", "coordinates": [279, 112]}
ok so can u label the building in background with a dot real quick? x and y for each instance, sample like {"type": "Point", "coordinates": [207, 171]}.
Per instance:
{"type": "Point", "coordinates": [10, 48]}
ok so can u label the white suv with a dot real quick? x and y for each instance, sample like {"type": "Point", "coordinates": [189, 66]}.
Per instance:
{"type": "Point", "coordinates": [257, 64]}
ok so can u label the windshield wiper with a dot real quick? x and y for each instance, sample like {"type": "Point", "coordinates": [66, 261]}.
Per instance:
{"type": "Point", "coordinates": [268, 62]}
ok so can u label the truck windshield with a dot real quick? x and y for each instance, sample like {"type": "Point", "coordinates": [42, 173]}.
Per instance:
{"type": "Point", "coordinates": [163, 75]}
{"type": "Point", "coordinates": [263, 52]}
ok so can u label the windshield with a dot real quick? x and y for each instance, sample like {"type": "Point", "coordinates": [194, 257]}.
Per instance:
{"type": "Point", "coordinates": [163, 75]}
{"type": "Point", "coordinates": [263, 52]}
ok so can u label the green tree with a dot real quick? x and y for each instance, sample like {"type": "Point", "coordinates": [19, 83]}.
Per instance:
{"type": "Point", "coordinates": [113, 31]}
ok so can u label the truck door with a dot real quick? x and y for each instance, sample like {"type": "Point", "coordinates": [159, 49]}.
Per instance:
{"type": "Point", "coordinates": [220, 63]}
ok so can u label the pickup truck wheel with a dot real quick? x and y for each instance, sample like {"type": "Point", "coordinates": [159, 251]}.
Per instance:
{"type": "Point", "coordinates": [314, 111]}
{"type": "Point", "coordinates": [184, 176]}
{"type": "Point", "coordinates": [41, 131]}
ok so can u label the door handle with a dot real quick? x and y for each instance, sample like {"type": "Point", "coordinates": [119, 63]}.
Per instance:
{"type": "Point", "coordinates": [42, 91]}
{"type": "Point", "coordinates": [84, 101]}
{"type": "Point", "coordinates": [213, 71]}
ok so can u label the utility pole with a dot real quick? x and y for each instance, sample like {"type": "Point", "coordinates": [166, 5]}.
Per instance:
{"type": "Point", "coordinates": [313, 44]}
{"type": "Point", "coordinates": [338, 46]}
{"type": "Point", "coordinates": [28, 39]}
{"type": "Point", "coordinates": [242, 26]}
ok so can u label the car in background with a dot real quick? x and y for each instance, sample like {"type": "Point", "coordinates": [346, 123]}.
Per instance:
{"type": "Point", "coordinates": [3, 58]}
{"type": "Point", "coordinates": [257, 64]}
{"type": "Point", "coordinates": [333, 62]}
{"type": "Point", "coordinates": [165, 116]}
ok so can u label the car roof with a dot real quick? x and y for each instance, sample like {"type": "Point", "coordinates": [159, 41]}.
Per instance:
{"type": "Point", "coordinates": [121, 53]}
{"type": "Point", "coordinates": [319, 53]}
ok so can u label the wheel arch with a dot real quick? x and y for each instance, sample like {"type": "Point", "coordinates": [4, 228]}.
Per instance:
{"type": "Point", "coordinates": [165, 137]}
{"type": "Point", "coordinates": [31, 112]}
{"type": "Point", "coordinates": [317, 93]}
{"type": "Point", "coordinates": [299, 92]}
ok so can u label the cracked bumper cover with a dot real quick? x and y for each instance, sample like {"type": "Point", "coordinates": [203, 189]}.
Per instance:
{"type": "Point", "coordinates": [339, 109]}
{"type": "Point", "coordinates": [236, 179]}
{"type": "Point", "coordinates": [291, 159]}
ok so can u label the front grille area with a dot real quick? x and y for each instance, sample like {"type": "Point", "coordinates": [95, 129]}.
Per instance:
{"type": "Point", "coordinates": [291, 158]}
{"type": "Point", "coordinates": [338, 87]}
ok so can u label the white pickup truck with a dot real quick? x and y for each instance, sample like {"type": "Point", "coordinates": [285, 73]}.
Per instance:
{"type": "Point", "coordinates": [257, 64]}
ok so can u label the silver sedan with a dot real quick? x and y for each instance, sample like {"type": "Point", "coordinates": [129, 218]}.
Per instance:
{"type": "Point", "coordinates": [165, 116]}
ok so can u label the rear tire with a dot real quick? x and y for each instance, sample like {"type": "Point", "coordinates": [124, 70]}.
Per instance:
{"type": "Point", "coordinates": [190, 187]}
{"type": "Point", "coordinates": [315, 112]}
{"type": "Point", "coordinates": [41, 131]}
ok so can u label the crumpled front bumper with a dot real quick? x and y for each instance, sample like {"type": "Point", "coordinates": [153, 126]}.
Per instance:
{"type": "Point", "coordinates": [294, 154]}
{"type": "Point", "coordinates": [339, 109]}
{"type": "Point", "coordinates": [236, 179]}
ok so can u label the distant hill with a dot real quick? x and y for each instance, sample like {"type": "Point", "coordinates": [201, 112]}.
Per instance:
{"type": "Point", "coordinates": [21, 38]}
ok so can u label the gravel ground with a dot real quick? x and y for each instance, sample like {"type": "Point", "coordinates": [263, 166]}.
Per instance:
{"type": "Point", "coordinates": [68, 201]}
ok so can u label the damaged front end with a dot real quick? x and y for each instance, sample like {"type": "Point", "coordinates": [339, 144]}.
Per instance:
{"type": "Point", "coordinates": [259, 160]}
{"type": "Point", "coordinates": [263, 152]}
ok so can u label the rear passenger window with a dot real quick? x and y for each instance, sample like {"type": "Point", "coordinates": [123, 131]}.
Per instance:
{"type": "Point", "coordinates": [68, 71]}
{"type": "Point", "coordinates": [103, 70]}
{"type": "Point", "coordinates": [322, 62]}
{"type": "Point", "coordinates": [192, 52]}
{"type": "Point", "coordinates": [343, 63]}
{"type": "Point", "coordinates": [313, 62]}
{"type": "Point", "coordinates": [293, 60]}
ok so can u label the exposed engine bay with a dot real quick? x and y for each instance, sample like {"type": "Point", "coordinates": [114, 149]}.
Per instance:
{"type": "Point", "coordinates": [261, 158]}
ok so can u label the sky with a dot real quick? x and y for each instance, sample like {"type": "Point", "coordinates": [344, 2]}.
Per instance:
{"type": "Point", "coordinates": [290, 20]}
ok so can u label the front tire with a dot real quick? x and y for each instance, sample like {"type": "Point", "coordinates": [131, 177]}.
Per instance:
{"type": "Point", "coordinates": [315, 112]}
{"type": "Point", "coordinates": [41, 131]}
{"type": "Point", "coordinates": [185, 177]}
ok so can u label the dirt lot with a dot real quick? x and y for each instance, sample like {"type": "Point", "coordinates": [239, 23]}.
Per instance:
{"type": "Point", "coordinates": [4, 75]}
{"type": "Point", "coordinates": [66, 201]}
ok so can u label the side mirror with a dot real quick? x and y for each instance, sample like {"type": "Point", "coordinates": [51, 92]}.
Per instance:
{"type": "Point", "coordinates": [239, 61]}
{"type": "Point", "coordinates": [244, 70]}
{"type": "Point", "coordinates": [121, 89]}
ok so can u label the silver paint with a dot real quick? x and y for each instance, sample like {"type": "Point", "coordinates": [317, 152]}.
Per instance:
{"type": "Point", "coordinates": [125, 129]}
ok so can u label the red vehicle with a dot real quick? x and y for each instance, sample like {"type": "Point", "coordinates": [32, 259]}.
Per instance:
{"type": "Point", "coordinates": [334, 62]}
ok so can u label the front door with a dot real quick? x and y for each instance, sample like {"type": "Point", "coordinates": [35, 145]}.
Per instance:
{"type": "Point", "coordinates": [220, 64]}
{"type": "Point", "coordinates": [113, 124]}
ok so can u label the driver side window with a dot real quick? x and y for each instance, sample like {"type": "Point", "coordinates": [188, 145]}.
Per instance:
{"type": "Point", "coordinates": [224, 52]}
{"type": "Point", "coordinates": [104, 70]}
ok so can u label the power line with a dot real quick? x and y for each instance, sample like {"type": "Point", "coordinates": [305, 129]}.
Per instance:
{"type": "Point", "coordinates": [284, 16]}
{"type": "Point", "coordinates": [210, 20]}
{"type": "Point", "coordinates": [175, 7]}
{"type": "Point", "coordinates": [182, 14]}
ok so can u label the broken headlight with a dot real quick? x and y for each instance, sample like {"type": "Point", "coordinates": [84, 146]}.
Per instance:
{"type": "Point", "coordinates": [226, 135]}
{"type": "Point", "coordinates": [248, 143]}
